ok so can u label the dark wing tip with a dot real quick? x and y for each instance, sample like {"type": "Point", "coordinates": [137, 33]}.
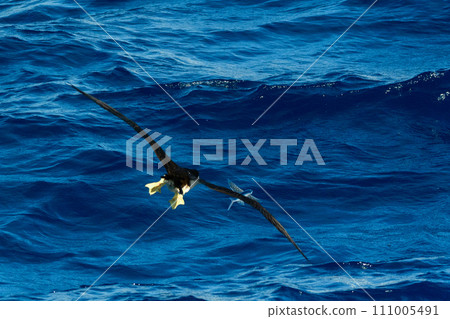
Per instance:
{"type": "Point", "coordinates": [73, 86]}
{"type": "Point", "coordinates": [258, 207]}
{"type": "Point", "coordinates": [301, 252]}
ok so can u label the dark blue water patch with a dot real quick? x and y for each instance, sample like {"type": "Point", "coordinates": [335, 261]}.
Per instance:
{"type": "Point", "coordinates": [416, 290]}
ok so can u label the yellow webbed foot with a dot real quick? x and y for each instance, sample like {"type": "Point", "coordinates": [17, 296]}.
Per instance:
{"type": "Point", "coordinates": [176, 200]}
{"type": "Point", "coordinates": [156, 187]}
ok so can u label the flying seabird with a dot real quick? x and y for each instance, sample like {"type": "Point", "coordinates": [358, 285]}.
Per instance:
{"type": "Point", "coordinates": [180, 180]}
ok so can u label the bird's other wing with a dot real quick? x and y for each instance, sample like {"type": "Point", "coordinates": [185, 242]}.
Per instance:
{"type": "Point", "coordinates": [256, 205]}
{"type": "Point", "coordinates": [169, 164]}
{"type": "Point", "coordinates": [234, 187]}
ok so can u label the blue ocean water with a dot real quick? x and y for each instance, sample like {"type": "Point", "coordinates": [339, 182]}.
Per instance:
{"type": "Point", "coordinates": [376, 104]}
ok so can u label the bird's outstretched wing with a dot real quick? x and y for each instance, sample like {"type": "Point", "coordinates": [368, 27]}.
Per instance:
{"type": "Point", "coordinates": [169, 164]}
{"type": "Point", "coordinates": [256, 205]}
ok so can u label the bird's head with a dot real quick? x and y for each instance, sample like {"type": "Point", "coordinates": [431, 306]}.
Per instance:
{"type": "Point", "coordinates": [193, 174]}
